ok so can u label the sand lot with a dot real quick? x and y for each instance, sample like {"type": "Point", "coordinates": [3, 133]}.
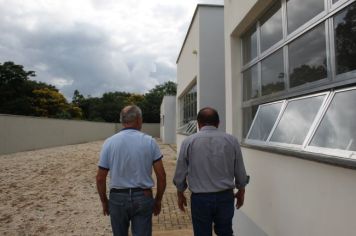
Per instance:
{"type": "Point", "coordinates": [52, 192]}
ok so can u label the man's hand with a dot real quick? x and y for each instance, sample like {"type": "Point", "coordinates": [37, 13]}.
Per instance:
{"type": "Point", "coordinates": [105, 205]}
{"type": "Point", "coordinates": [182, 201]}
{"type": "Point", "coordinates": [157, 207]}
{"type": "Point", "coordinates": [240, 198]}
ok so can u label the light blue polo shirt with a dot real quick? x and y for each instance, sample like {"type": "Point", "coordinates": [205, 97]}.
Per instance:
{"type": "Point", "coordinates": [129, 156]}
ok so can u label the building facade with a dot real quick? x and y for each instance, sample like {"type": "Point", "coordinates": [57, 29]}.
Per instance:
{"type": "Point", "coordinates": [290, 77]}
{"type": "Point", "coordinates": [168, 120]}
{"type": "Point", "coordinates": [200, 69]}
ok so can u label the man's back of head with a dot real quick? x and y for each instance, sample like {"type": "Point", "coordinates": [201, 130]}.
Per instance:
{"type": "Point", "coordinates": [131, 116]}
{"type": "Point", "coordinates": [208, 116]}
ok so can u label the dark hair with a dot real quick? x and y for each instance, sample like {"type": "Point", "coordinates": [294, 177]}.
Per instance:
{"type": "Point", "coordinates": [208, 116]}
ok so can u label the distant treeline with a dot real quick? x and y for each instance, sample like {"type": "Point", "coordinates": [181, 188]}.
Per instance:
{"type": "Point", "coordinates": [19, 95]}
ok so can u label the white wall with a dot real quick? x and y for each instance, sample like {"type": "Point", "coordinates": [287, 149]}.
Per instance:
{"type": "Point", "coordinates": [287, 196]}
{"type": "Point", "coordinates": [206, 66]}
{"type": "Point", "coordinates": [22, 133]}
{"type": "Point", "coordinates": [211, 79]}
{"type": "Point", "coordinates": [168, 120]}
{"type": "Point", "coordinates": [187, 64]}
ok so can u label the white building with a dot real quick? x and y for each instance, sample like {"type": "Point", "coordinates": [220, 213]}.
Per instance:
{"type": "Point", "coordinates": [200, 69]}
{"type": "Point", "coordinates": [291, 99]}
{"type": "Point", "coordinates": [168, 120]}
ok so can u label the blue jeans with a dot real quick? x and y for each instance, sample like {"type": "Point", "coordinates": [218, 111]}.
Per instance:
{"type": "Point", "coordinates": [212, 208]}
{"type": "Point", "coordinates": [135, 208]}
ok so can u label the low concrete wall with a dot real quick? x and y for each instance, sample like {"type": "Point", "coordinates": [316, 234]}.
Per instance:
{"type": "Point", "coordinates": [22, 133]}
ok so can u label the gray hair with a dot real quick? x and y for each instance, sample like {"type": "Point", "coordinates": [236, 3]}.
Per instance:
{"type": "Point", "coordinates": [130, 113]}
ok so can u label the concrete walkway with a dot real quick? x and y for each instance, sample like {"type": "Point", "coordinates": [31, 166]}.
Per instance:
{"type": "Point", "coordinates": [171, 221]}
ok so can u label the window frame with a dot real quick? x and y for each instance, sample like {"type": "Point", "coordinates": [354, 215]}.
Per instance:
{"type": "Point", "coordinates": [324, 150]}
{"type": "Point", "coordinates": [330, 81]}
{"type": "Point", "coordinates": [256, 141]}
{"type": "Point", "coordinates": [305, 147]}
{"type": "Point", "coordinates": [314, 122]}
{"type": "Point", "coordinates": [189, 101]}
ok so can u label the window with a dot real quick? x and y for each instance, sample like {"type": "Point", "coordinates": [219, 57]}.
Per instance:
{"type": "Point", "coordinates": [273, 73]}
{"type": "Point", "coordinates": [250, 83]}
{"type": "Point", "coordinates": [248, 115]}
{"type": "Point", "coordinates": [188, 111]}
{"type": "Point", "coordinates": [301, 11]}
{"type": "Point", "coordinates": [297, 119]}
{"type": "Point", "coordinates": [266, 117]}
{"type": "Point", "coordinates": [323, 123]}
{"type": "Point", "coordinates": [299, 77]}
{"type": "Point", "coordinates": [271, 27]}
{"type": "Point", "coordinates": [307, 57]}
{"type": "Point", "coordinates": [345, 39]}
{"type": "Point", "coordinates": [337, 129]}
{"type": "Point", "coordinates": [250, 46]}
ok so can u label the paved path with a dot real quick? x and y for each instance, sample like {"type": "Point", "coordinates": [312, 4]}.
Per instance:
{"type": "Point", "coordinates": [171, 221]}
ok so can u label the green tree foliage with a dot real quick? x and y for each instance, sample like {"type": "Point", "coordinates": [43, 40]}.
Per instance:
{"type": "Point", "coordinates": [22, 96]}
{"type": "Point", "coordinates": [151, 104]}
{"type": "Point", "coordinates": [107, 108]}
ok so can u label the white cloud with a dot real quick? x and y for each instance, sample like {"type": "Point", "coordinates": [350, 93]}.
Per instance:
{"type": "Point", "coordinates": [96, 46]}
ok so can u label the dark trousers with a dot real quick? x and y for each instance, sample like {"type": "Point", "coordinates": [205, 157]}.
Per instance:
{"type": "Point", "coordinates": [136, 208]}
{"type": "Point", "coordinates": [212, 209]}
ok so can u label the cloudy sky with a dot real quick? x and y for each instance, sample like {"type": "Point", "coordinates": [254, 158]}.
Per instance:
{"type": "Point", "coordinates": [96, 46]}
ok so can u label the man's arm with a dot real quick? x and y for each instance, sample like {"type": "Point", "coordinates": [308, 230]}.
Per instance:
{"type": "Point", "coordinates": [161, 185]}
{"type": "Point", "coordinates": [101, 186]}
{"type": "Point", "coordinates": [241, 178]}
{"type": "Point", "coordinates": [180, 176]}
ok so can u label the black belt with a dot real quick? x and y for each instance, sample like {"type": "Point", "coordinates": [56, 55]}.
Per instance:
{"type": "Point", "coordinates": [127, 190]}
{"type": "Point", "coordinates": [223, 191]}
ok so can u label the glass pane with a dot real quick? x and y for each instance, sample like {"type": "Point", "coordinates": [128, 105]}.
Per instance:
{"type": "Point", "coordinates": [345, 39]}
{"type": "Point", "coordinates": [250, 83]}
{"type": "Point", "coordinates": [273, 73]}
{"type": "Point", "coordinates": [338, 126]}
{"type": "Point", "coordinates": [264, 121]}
{"type": "Point", "coordinates": [249, 46]}
{"type": "Point", "coordinates": [248, 115]}
{"type": "Point", "coordinates": [296, 120]}
{"type": "Point", "coordinates": [334, 1]}
{"type": "Point", "coordinates": [307, 57]}
{"type": "Point", "coordinates": [271, 27]}
{"type": "Point", "coordinates": [301, 11]}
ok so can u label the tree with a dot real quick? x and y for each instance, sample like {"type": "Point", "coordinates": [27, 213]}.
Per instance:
{"type": "Point", "coordinates": [15, 89]}
{"type": "Point", "coordinates": [151, 104]}
{"type": "Point", "coordinates": [22, 96]}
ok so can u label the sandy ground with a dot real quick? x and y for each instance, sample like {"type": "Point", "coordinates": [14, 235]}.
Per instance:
{"type": "Point", "coordinates": [52, 192]}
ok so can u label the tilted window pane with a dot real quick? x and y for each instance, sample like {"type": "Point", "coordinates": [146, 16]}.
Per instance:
{"type": "Point", "coordinates": [249, 46]}
{"type": "Point", "coordinates": [338, 126]}
{"type": "Point", "coordinates": [273, 73]}
{"type": "Point", "coordinates": [264, 121]}
{"type": "Point", "coordinates": [248, 115]}
{"type": "Point", "coordinates": [296, 120]}
{"type": "Point", "coordinates": [307, 57]}
{"type": "Point", "coordinates": [301, 11]}
{"type": "Point", "coordinates": [250, 83]}
{"type": "Point", "coordinates": [271, 27]}
{"type": "Point", "coordinates": [345, 39]}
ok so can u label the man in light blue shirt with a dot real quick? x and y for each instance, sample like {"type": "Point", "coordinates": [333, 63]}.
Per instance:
{"type": "Point", "coordinates": [129, 157]}
{"type": "Point", "coordinates": [210, 163]}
